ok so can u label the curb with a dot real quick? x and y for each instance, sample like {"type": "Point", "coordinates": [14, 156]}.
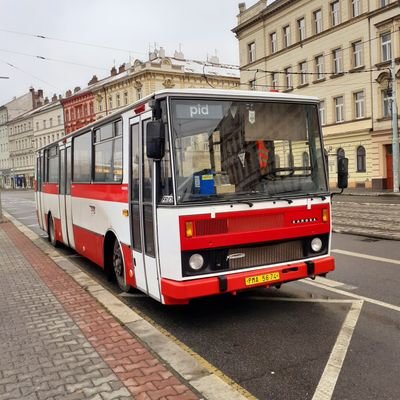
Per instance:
{"type": "Point", "coordinates": [197, 372]}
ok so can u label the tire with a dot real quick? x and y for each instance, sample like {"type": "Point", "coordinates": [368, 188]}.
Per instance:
{"type": "Point", "coordinates": [118, 267]}
{"type": "Point", "coordinates": [52, 233]}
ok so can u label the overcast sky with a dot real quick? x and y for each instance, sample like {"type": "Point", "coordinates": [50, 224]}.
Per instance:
{"type": "Point", "coordinates": [201, 27]}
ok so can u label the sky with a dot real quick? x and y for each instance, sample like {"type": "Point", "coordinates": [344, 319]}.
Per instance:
{"type": "Point", "coordinates": [128, 28]}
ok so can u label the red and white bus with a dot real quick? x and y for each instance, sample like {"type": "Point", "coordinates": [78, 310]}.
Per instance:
{"type": "Point", "coordinates": [191, 193]}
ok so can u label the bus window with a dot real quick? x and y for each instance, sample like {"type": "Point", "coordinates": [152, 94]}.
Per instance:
{"type": "Point", "coordinates": [52, 165]}
{"type": "Point", "coordinates": [82, 158]}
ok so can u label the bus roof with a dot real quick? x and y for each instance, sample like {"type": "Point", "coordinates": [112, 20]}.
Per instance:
{"type": "Point", "coordinates": [231, 94]}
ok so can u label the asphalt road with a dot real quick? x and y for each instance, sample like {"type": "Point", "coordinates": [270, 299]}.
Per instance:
{"type": "Point", "coordinates": [340, 336]}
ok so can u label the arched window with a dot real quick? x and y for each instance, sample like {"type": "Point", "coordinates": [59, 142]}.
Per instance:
{"type": "Point", "coordinates": [340, 154]}
{"type": "Point", "coordinates": [361, 164]}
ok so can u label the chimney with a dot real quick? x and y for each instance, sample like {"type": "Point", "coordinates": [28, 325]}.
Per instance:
{"type": "Point", "coordinates": [242, 7]}
{"type": "Point", "coordinates": [93, 80]}
{"type": "Point", "coordinates": [121, 68]}
{"type": "Point", "coordinates": [161, 52]}
{"type": "Point", "coordinates": [77, 89]}
{"type": "Point", "coordinates": [54, 98]}
{"type": "Point", "coordinates": [113, 71]}
{"type": "Point", "coordinates": [59, 97]}
{"type": "Point", "coordinates": [40, 93]}
{"type": "Point", "coordinates": [46, 100]}
{"type": "Point", "coordinates": [68, 93]}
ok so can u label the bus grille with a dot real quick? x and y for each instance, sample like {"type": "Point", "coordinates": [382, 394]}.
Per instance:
{"type": "Point", "coordinates": [264, 255]}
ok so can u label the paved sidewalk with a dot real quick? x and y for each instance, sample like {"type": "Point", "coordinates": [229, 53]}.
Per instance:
{"type": "Point", "coordinates": [58, 342]}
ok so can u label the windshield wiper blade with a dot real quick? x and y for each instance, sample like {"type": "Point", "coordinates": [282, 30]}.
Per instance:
{"type": "Point", "coordinates": [249, 203]}
{"type": "Point", "coordinates": [283, 199]}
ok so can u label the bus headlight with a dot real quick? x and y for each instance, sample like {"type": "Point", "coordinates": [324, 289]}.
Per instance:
{"type": "Point", "coordinates": [316, 245]}
{"type": "Point", "coordinates": [196, 261]}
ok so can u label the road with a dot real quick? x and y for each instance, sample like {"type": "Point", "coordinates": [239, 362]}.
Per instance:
{"type": "Point", "coordinates": [335, 338]}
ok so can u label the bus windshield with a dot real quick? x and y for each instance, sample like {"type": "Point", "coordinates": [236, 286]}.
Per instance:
{"type": "Point", "coordinates": [229, 150]}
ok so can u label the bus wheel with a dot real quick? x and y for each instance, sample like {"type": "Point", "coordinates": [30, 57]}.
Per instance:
{"type": "Point", "coordinates": [52, 232]}
{"type": "Point", "coordinates": [118, 267]}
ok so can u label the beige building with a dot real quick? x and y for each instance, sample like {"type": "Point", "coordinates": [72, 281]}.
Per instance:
{"type": "Point", "coordinates": [140, 78]}
{"type": "Point", "coordinates": [48, 123]}
{"type": "Point", "coordinates": [339, 51]}
{"type": "Point", "coordinates": [18, 131]}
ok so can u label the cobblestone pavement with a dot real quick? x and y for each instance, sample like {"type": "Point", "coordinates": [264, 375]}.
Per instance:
{"type": "Point", "coordinates": [364, 218]}
{"type": "Point", "coordinates": [57, 342]}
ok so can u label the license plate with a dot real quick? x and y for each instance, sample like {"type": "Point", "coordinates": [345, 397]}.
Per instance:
{"type": "Point", "coordinates": [254, 280]}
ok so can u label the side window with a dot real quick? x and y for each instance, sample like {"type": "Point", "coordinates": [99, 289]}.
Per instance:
{"type": "Point", "coordinates": [68, 172]}
{"type": "Point", "coordinates": [52, 165]}
{"type": "Point", "coordinates": [108, 153]}
{"type": "Point", "coordinates": [82, 158]}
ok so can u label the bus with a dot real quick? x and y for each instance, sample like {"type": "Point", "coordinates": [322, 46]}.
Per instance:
{"type": "Point", "coordinates": [193, 193]}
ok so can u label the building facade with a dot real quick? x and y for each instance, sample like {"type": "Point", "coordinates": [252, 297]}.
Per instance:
{"type": "Point", "coordinates": [48, 123]}
{"type": "Point", "coordinates": [138, 79]}
{"type": "Point", "coordinates": [339, 51]}
{"type": "Point", "coordinates": [12, 129]}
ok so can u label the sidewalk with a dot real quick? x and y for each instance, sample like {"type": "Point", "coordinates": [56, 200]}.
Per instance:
{"type": "Point", "coordinates": [58, 342]}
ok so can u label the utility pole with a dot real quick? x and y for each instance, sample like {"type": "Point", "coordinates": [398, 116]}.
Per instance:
{"type": "Point", "coordinates": [395, 138]}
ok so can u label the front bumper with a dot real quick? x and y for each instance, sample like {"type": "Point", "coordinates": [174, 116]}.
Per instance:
{"type": "Point", "coordinates": [180, 292]}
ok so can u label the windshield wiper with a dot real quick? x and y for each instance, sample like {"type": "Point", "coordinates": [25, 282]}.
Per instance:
{"type": "Point", "coordinates": [249, 203]}
{"type": "Point", "coordinates": [282, 199]}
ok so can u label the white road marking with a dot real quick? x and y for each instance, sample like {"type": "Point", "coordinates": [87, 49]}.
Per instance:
{"type": "Point", "coordinates": [319, 283]}
{"type": "Point", "coordinates": [366, 256]}
{"type": "Point", "coordinates": [299, 300]}
{"type": "Point", "coordinates": [329, 377]}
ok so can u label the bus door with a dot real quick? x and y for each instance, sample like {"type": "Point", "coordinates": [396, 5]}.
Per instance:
{"type": "Point", "coordinates": [142, 210]}
{"type": "Point", "coordinates": [62, 195]}
{"type": "Point", "coordinates": [68, 199]}
{"type": "Point", "coordinates": [39, 181]}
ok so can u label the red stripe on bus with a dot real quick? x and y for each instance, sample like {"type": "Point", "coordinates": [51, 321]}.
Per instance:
{"type": "Point", "coordinates": [89, 244]}
{"type": "Point", "coordinates": [51, 188]}
{"type": "Point", "coordinates": [180, 292]}
{"type": "Point", "coordinates": [129, 268]}
{"type": "Point", "coordinates": [241, 228]}
{"type": "Point", "coordinates": [106, 192]}
{"type": "Point", "coordinates": [57, 230]}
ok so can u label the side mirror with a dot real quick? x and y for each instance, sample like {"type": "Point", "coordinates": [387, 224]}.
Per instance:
{"type": "Point", "coordinates": [155, 140]}
{"type": "Point", "coordinates": [343, 172]}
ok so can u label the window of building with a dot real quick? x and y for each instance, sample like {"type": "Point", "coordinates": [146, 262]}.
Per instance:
{"type": "Point", "coordinates": [303, 73]}
{"type": "Point", "coordinates": [44, 124]}
{"type": "Point", "coordinates": [85, 110]}
{"type": "Point", "coordinates": [99, 105]}
{"type": "Point", "coordinates": [52, 165]}
{"type": "Point", "coordinates": [58, 119]}
{"type": "Point", "coordinates": [286, 36]}
{"type": "Point", "coordinates": [274, 81]}
{"type": "Point", "coordinates": [82, 158]}
{"type": "Point", "coordinates": [139, 93]}
{"type": "Point", "coordinates": [319, 66]}
{"type": "Point", "coordinates": [37, 126]}
{"type": "Point", "coordinates": [66, 116]}
{"type": "Point", "coordinates": [361, 162]}
{"type": "Point", "coordinates": [274, 42]}
{"type": "Point", "coordinates": [335, 13]}
{"type": "Point", "coordinates": [383, 3]}
{"type": "Point", "coordinates": [355, 8]}
{"type": "Point", "coordinates": [359, 105]}
{"type": "Point", "coordinates": [288, 78]}
{"type": "Point", "coordinates": [339, 109]}
{"type": "Point", "coordinates": [91, 108]}
{"type": "Point", "coordinates": [108, 153]}
{"type": "Point", "coordinates": [110, 103]}
{"type": "Point", "coordinates": [51, 122]}
{"type": "Point", "coordinates": [386, 47]}
{"type": "Point", "coordinates": [301, 29]}
{"type": "Point", "coordinates": [251, 52]}
{"type": "Point", "coordinates": [386, 104]}
{"type": "Point", "coordinates": [357, 54]}
{"type": "Point", "coordinates": [72, 114]}
{"type": "Point", "coordinates": [321, 110]}
{"type": "Point", "coordinates": [337, 61]}
{"type": "Point", "coordinates": [118, 100]}
{"type": "Point", "coordinates": [126, 98]}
